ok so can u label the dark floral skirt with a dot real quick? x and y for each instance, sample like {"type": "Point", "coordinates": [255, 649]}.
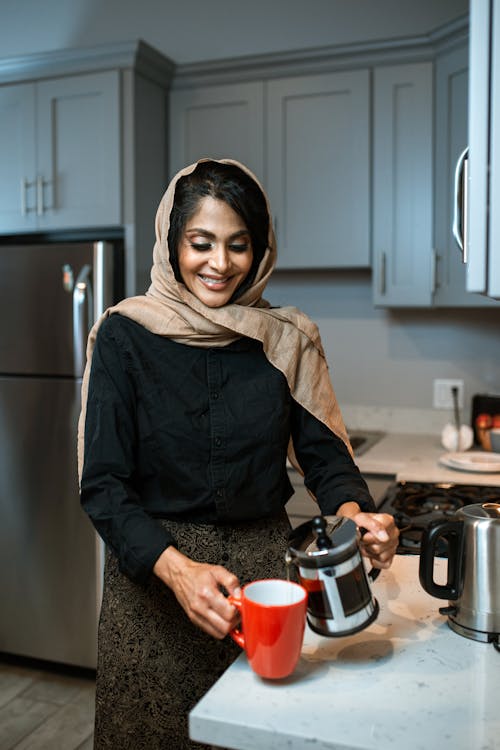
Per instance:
{"type": "Point", "coordinates": [154, 665]}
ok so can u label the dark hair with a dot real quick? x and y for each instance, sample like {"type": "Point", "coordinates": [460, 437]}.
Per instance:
{"type": "Point", "coordinates": [228, 183]}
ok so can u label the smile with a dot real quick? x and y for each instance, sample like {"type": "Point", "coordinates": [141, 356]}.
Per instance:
{"type": "Point", "coordinates": [210, 281]}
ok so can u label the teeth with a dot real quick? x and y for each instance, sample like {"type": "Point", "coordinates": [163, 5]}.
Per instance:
{"type": "Point", "coordinates": [209, 280]}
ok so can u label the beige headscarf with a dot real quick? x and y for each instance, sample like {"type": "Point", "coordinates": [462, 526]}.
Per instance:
{"type": "Point", "coordinates": [290, 339]}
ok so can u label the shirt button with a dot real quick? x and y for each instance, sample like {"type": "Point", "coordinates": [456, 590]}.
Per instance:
{"type": "Point", "coordinates": [224, 557]}
{"type": "Point", "coordinates": [218, 493]}
{"type": "Point", "coordinates": [218, 442]}
{"type": "Point", "coordinates": [215, 396]}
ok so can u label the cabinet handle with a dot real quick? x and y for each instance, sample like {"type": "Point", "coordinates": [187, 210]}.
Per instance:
{"type": "Point", "coordinates": [460, 202]}
{"type": "Point", "coordinates": [25, 184]}
{"type": "Point", "coordinates": [39, 196]}
{"type": "Point", "coordinates": [383, 269]}
{"type": "Point", "coordinates": [465, 211]}
{"type": "Point", "coordinates": [434, 274]}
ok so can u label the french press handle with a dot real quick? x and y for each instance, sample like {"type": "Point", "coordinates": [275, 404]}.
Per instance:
{"type": "Point", "coordinates": [373, 573]}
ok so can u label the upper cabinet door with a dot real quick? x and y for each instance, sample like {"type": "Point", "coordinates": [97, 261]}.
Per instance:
{"type": "Point", "coordinates": [402, 185]}
{"type": "Point", "coordinates": [318, 176]}
{"type": "Point", "coordinates": [17, 158]}
{"type": "Point", "coordinates": [79, 149]}
{"type": "Point", "coordinates": [451, 140]}
{"type": "Point", "coordinates": [483, 220]}
{"type": "Point", "coordinates": [219, 122]}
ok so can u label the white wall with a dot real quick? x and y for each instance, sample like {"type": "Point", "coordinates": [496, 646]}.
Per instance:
{"type": "Point", "coordinates": [378, 359]}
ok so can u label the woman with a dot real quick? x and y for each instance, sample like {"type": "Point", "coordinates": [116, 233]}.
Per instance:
{"type": "Point", "coordinates": [196, 391]}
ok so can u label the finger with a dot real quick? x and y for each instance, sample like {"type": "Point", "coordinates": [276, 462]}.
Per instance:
{"type": "Point", "coordinates": [213, 614]}
{"type": "Point", "coordinates": [211, 602]}
{"type": "Point", "coordinates": [214, 627]}
{"type": "Point", "coordinates": [226, 579]}
{"type": "Point", "coordinates": [374, 523]}
{"type": "Point", "coordinates": [380, 552]}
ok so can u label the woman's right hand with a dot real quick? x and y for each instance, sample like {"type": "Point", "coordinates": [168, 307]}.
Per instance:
{"type": "Point", "coordinates": [197, 587]}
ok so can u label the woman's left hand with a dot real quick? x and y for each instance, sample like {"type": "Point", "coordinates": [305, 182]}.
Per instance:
{"type": "Point", "coordinates": [380, 541]}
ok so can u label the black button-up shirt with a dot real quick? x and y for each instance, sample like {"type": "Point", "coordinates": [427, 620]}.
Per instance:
{"type": "Point", "coordinates": [197, 434]}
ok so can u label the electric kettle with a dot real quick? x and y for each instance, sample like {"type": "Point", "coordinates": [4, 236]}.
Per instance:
{"type": "Point", "coordinates": [331, 569]}
{"type": "Point", "coordinates": [473, 577]}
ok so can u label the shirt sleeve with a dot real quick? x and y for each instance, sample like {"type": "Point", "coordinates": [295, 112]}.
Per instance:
{"type": "Point", "coordinates": [329, 470]}
{"type": "Point", "coordinates": [109, 492]}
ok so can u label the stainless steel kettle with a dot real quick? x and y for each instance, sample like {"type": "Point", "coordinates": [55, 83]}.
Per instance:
{"type": "Point", "coordinates": [331, 569]}
{"type": "Point", "coordinates": [473, 578]}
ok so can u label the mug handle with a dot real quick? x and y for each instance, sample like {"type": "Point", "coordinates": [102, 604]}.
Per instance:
{"type": "Point", "coordinates": [236, 634]}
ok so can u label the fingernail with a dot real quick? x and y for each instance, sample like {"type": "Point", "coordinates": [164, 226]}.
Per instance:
{"type": "Point", "coordinates": [383, 535]}
{"type": "Point", "coordinates": [237, 592]}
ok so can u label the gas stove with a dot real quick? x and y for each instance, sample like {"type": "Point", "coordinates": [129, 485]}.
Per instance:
{"type": "Point", "coordinates": [416, 504]}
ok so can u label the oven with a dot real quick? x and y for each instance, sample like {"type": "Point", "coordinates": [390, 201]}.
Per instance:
{"type": "Point", "coordinates": [416, 504]}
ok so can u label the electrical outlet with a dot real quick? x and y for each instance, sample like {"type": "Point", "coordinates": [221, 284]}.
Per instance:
{"type": "Point", "coordinates": [443, 396]}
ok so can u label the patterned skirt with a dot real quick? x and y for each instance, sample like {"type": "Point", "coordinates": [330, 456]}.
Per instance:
{"type": "Point", "coordinates": [154, 665]}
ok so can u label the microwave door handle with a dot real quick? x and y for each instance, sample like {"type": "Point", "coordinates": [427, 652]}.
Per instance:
{"type": "Point", "coordinates": [82, 317]}
{"type": "Point", "coordinates": [460, 207]}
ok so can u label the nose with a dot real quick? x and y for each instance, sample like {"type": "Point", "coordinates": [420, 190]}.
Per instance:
{"type": "Point", "coordinates": [219, 259]}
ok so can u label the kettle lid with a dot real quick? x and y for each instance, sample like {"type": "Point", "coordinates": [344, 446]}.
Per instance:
{"type": "Point", "coordinates": [482, 510]}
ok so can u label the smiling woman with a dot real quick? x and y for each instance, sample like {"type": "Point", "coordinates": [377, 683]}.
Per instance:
{"type": "Point", "coordinates": [196, 391]}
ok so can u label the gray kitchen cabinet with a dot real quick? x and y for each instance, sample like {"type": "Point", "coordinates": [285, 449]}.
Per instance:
{"type": "Point", "coordinates": [402, 185]}
{"type": "Point", "coordinates": [224, 121]}
{"type": "Point", "coordinates": [17, 157]}
{"type": "Point", "coordinates": [482, 240]}
{"type": "Point", "coordinates": [307, 138]}
{"type": "Point", "coordinates": [451, 103]}
{"type": "Point", "coordinates": [60, 153]}
{"type": "Point", "coordinates": [84, 146]}
{"type": "Point", "coordinates": [318, 169]}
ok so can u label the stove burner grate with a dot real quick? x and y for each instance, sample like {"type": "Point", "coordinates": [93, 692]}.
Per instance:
{"type": "Point", "coordinates": [416, 499]}
{"type": "Point", "coordinates": [415, 504]}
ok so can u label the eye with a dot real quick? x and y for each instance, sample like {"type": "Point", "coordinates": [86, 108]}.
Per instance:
{"type": "Point", "coordinates": [238, 247]}
{"type": "Point", "coordinates": [201, 246]}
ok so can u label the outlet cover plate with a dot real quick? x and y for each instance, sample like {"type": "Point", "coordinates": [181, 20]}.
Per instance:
{"type": "Point", "coordinates": [442, 395]}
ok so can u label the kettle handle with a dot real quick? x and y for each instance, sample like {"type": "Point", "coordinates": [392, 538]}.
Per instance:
{"type": "Point", "coordinates": [452, 531]}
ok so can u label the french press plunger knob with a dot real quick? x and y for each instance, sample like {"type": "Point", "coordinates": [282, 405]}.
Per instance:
{"type": "Point", "coordinates": [323, 541]}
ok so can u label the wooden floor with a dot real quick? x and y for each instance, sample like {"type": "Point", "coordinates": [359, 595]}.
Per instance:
{"type": "Point", "coordinates": [44, 707]}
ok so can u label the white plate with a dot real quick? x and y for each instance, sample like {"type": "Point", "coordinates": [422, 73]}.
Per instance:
{"type": "Point", "coordinates": [484, 462]}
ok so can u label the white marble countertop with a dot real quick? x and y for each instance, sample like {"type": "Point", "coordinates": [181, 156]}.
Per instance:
{"type": "Point", "coordinates": [415, 457]}
{"type": "Point", "coordinates": [407, 681]}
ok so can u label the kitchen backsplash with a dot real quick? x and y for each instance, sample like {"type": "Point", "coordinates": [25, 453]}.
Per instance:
{"type": "Point", "coordinates": [406, 420]}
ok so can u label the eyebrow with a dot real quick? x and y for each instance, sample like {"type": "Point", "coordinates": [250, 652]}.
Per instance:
{"type": "Point", "coordinates": [211, 235]}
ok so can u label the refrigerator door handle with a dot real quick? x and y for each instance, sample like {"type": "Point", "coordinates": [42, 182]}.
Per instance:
{"type": "Point", "coordinates": [83, 306]}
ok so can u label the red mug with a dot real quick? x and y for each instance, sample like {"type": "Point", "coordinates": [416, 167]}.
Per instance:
{"type": "Point", "coordinates": [273, 617]}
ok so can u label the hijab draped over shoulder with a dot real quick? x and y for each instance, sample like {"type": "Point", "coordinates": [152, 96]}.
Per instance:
{"type": "Point", "coordinates": [290, 340]}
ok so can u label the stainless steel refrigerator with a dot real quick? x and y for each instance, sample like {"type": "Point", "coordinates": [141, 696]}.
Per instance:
{"type": "Point", "coordinates": [50, 556]}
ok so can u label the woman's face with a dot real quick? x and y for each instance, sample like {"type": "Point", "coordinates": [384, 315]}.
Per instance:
{"type": "Point", "coordinates": [215, 252]}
